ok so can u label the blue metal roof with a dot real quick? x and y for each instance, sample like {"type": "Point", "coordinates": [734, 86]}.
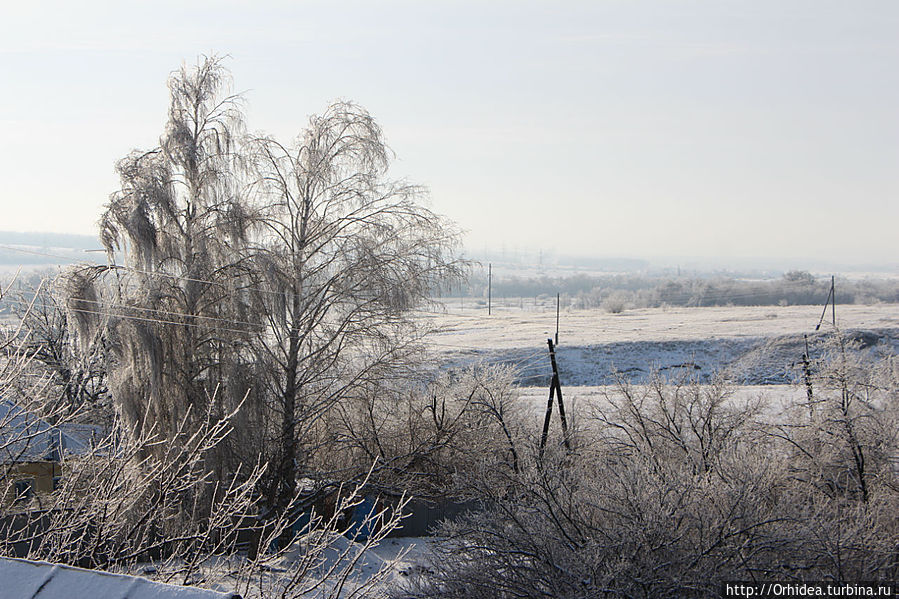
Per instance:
{"type": "Point", "coordinates": [25, 437]}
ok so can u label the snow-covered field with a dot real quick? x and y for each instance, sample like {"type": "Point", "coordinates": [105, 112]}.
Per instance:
{"type": "Point", "coordinates": [750, 345]}
{"type": "Point", "coordinates": [509, 328]}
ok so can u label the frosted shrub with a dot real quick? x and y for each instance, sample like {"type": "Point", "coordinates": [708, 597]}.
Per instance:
{"type": "Point", "coordinates": [676, 487]}
{"type": "Point", "coordinates": [615, 303]}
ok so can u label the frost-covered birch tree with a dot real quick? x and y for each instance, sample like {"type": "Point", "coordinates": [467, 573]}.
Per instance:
{"type": "Point", "coordinates": [170, 315]}
{"type": "Point", "coordinates": [281, 277]}
{"type": "Point", "coordinates": [344, 255]}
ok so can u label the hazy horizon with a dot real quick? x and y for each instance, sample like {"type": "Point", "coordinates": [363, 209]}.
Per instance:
{"type": "Point", "coordinates": [514, 260]}
{"type": "Point", "coordinates": [727, 131]}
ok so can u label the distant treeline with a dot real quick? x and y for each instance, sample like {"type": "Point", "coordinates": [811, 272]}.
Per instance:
{"type": "Point", "coordinates": [625, 291]}
{"type": "Point", "coordinates": [619, 292]}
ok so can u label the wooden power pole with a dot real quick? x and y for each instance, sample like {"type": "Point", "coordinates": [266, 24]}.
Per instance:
{"type": "Point", "coordinates": [558, 298]}
{"type": "Point", "coordinates": [555, 388]}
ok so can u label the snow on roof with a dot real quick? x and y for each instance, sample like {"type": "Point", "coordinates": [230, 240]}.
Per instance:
{"type": "Point", "coordinates": [25, 579]}
{"type": "Point", "coordinates": [25, 437]}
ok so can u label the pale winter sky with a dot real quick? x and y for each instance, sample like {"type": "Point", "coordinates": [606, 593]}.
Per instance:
{"type": "Point", "coordinates": [762, 129]}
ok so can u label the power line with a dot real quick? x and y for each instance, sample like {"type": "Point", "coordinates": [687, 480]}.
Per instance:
{"type": "Point", "coordinates": [161, 321]}
{"type": "Point", "coordinates": [259, 327]}
{"type": "Point", "coordinates": [682, 297]}
{"type": "Point", "coordinates": [121, 306]}
{"type": "Point", "coordinates": [287, 295]}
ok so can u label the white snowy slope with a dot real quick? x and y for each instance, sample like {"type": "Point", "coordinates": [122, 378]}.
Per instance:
{"type": "Point", "coordinates": [25, 579]}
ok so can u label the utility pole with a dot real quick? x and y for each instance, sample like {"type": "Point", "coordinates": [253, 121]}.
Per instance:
{"type": "Point", "coordinates": [555, 388]}
{"type": "Point", "coordinates": [489, 287]}
{"type": "Point", "coordinates": [833, 299]}
{"type": "Point", "coordinates": [557, 318]}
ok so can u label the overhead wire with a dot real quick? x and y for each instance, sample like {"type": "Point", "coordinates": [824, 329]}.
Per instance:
{"type": "Point", "coordinates": [172, 313]}
{"type": "Point", "coordinates": [520, 362]}
{"type": "Point", "coordinates": [158, 320]}
{"type": "Point", "coordinates": [156, 273]}
{"type": "Point", "coordinates": [122, 306]}
{"type": "Point", "coordinates": [128, 307]}
{"type": "Point", "coordinates": [446, 312]}
{"type": "Point", "coordinates": [259, 327]}
{"type": "Point", "coordinates": [198, 280]}
{"type": "Point", "coordinates": [685, 296]}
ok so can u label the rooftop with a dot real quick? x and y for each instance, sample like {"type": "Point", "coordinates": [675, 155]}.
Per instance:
{"type": "Point", "coordinates": [25, 579]}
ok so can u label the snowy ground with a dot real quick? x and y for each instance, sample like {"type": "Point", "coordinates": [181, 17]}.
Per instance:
{"type": "Point", "coordinates": [386, 568]}
{"type": "Point", "coordinates": [751, 345]}
{"type": "Point", "coordinates": [510, 328]}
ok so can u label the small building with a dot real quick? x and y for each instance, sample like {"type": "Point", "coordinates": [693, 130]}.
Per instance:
{"type": "Point", "coordinates": [30, 453]}
{"type": "Point", "coordinates": [26, 579]}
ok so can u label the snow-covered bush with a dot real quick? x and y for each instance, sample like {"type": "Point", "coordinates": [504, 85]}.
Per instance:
{"type": "Point", "coordinates": [675, 487]}
{"type": "Point", "coordinates": [419, 439]}
{"type": "Point", "coordinates": [615, 303]}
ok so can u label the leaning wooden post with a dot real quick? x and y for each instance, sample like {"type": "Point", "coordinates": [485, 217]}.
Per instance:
{"type": "Point", "coordinates": [558, 386]}
{"type": "Point", "coordinates": [548, 416]}
{"type": "Point", "coordinates": [554, 388]}
{"type": "Point", "coordinates": [833, 300]}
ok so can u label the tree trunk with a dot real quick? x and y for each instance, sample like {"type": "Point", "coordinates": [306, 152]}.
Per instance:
{"type": "Point", "coordinates": [287, 469]}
